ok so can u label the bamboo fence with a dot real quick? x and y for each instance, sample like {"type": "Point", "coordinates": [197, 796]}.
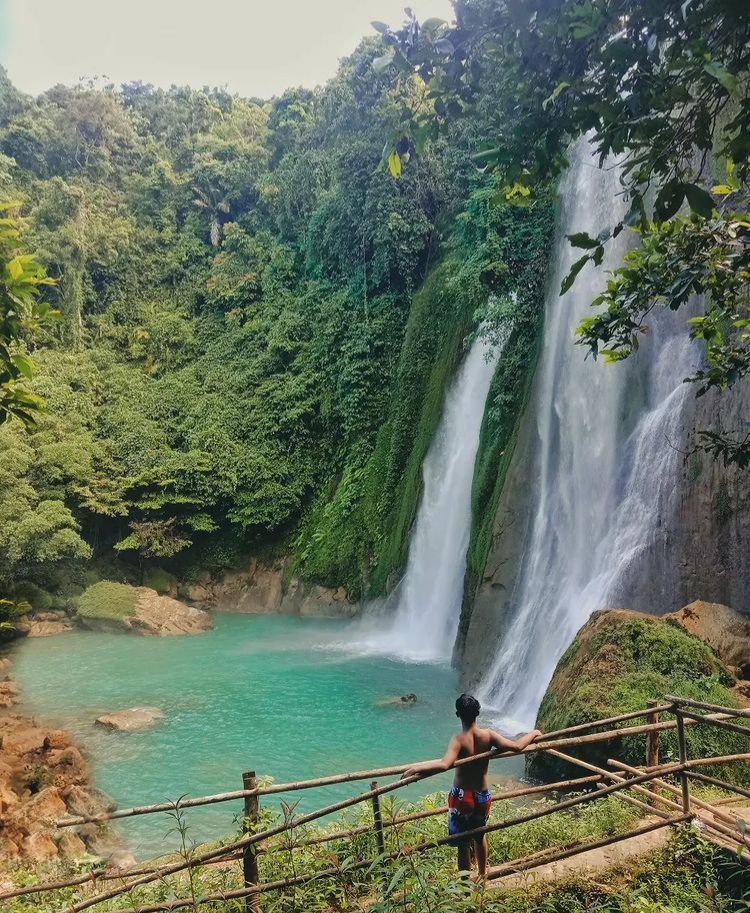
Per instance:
{"type": "Point", "coordinates": [644, 787]}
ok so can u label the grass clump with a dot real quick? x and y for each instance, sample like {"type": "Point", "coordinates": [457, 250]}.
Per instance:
{"type": "Point", "coordinates": [108, 600]}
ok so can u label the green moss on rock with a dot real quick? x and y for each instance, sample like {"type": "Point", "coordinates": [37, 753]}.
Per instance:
{"type": "Point", "coordinates": [618, 662]}
{"type": "Point", "coordinates": [108, 600]}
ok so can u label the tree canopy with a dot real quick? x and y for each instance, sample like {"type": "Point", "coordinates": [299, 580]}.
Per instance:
{"type": "Point", "coordinates": [661, 88]}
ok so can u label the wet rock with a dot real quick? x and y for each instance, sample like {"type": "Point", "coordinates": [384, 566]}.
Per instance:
{"type": "Point", "coordinates": [131, 720]}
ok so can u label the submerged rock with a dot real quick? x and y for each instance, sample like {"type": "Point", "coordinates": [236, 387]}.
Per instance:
{"type": "Point", "coordinates": [619, 661]}
{"type": "Point", "coordinates": [131, 720]}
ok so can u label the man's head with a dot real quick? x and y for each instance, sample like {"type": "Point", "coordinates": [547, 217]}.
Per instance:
{"type": "Point", "coordinates": [467, 709]}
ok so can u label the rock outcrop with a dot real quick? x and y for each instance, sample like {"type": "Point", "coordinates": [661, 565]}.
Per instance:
{"type": "Point", "coordinates": [44, 777]}
{"type": "Point", "coordinates": [726, 631]}
{"type": "Point", "coordinates": [133, 719]}
{"type": "Point", "coordinates": [149, 613]}
{"type": "Point", "coordinates": [43, 624]}
{"type": "Point", "coordinates": [618, 661]}
{"type": "Point", "coordinates": [260, 589]}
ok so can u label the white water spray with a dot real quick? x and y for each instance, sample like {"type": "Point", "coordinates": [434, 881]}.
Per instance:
{"type": "Point", "coordinates": [603, 468]}
{"type": "Point", "coordinates": [424, 621]}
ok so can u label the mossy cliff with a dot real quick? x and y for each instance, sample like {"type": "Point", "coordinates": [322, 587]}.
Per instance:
{"type": "Point", "coordinates": [618, 662]}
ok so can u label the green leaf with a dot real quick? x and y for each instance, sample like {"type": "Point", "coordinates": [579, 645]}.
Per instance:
{"type": "Point", "coordinates": [432, 24]}
{"type": "Point", "coordinates": [575, 269]}
{"type": "Point", "coordinates": [24, 364]}
{"type": "Point", "coordinates": [583, 239]}
{"type": "Point", "coordinates": [394, 164]}
{"type": "Point", "coordinates": [722, 75]}
{"type": "Point", "coordinates": [552, 98]}
{"type": "Point", "coordinates": [668, 200]}
{"type": "Point", "coordinates": [380, 27]}
{"type": "Point", "coordinates": [700, 200]}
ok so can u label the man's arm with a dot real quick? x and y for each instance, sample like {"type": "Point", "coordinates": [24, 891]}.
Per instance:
{"type": "Point", "coordinates": [445, 763]}
{"type": "Point", "coordinates": [499, 741]}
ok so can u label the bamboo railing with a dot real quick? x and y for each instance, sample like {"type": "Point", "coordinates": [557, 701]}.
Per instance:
{"type": "Point", "coordinates": [643, 787]}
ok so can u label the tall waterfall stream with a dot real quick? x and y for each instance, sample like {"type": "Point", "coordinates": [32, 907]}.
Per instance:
{"type": "Point", "coordinates": [603, 469]}
{"type": "Point", "coordinates": [423, 622]}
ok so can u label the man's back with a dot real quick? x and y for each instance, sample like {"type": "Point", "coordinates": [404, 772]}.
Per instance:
{"type": "Point", "coordinates": [473, 741]}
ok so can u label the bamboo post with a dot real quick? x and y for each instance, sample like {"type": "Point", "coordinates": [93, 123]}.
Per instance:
{"type": "Point", "coordinates": [249, 855]}
{"type": "Point", "coordinates": [683, 760]}
{"type": "Point", "coordinates": [377, 819]}
{"type": "Point", "coordinates": [652, 746]}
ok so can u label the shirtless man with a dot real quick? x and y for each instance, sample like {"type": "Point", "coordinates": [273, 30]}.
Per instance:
{"type": "Point", "coordinates": [469, 799]}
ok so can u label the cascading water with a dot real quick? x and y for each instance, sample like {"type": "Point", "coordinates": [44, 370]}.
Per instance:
{"type": "Point", "coordinates": [424, 620]}
{"type": "Point", "coordinates": [603, 469]}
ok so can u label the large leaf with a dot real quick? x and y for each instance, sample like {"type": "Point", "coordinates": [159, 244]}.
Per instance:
{"type": "Point", "coordinates": [699, 200]}
{"type": "Point", "coordinates": [583, 239]}
{"type": "Point", "coordinates": [575, 269]}
{"type": "Point", "coordinates": [394, 164]}
{"type": "Point", "coordinates": [668, 200]}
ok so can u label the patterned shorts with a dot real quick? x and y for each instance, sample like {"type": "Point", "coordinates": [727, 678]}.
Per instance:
{"type": "Point", "coordinates": [467, 810]}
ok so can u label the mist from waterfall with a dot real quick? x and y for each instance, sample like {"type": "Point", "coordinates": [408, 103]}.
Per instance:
{"type": "Point", "coordinates": [603, 469]}
{"type": "Point", "coordinates": [423, 620]}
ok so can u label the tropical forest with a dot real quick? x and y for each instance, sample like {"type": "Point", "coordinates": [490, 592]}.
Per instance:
{"type": "Point", "coordinates": [375, 457]}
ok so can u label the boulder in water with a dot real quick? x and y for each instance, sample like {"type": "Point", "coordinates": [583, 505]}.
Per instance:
{"type": "Point", "coordinates": [132, 719]}
{"type": "Point", "coordinates": [115, 607]}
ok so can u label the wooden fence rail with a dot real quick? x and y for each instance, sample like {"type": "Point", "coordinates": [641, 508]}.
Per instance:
{"type": "Point", "coordinates": [646, 788]}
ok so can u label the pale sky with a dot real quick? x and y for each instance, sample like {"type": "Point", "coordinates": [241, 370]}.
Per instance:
{"type": "Point", "coordinates": [254, 47]}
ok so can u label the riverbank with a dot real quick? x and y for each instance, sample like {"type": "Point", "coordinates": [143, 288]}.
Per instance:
{"type": "Point", "coordinates": [44, 777]}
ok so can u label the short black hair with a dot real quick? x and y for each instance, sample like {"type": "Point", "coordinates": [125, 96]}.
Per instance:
{"type": "Point", "coordinates": [467, 708]}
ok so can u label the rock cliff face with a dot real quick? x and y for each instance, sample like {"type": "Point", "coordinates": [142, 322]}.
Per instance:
{"type": "Point", "coordinates": [260, 589]}
{"type": "Point", "coordinates": [700, 548]}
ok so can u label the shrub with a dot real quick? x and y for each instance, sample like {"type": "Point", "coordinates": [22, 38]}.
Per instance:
{"type": "Point", "coordinates": [108, 600]}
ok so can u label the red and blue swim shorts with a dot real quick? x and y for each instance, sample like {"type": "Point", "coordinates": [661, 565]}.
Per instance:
{"type": "Point", "coordinates": [467, 809]}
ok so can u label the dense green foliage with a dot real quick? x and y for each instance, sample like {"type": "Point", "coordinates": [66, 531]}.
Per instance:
{"type": "Point", "coordinates": [619, 662]}
{"type": "Point", "coordinates": [688, 875]}
{"type": "Point", "coordinates": [257, 323]}
{"type": "Point", "coordinates": [663, 86]}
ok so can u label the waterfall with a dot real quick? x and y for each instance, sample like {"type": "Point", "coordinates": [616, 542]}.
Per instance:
{"type": "Point", "coordinates": [602, 470]}
{"type": "Point", "coordinates": [423, 622]}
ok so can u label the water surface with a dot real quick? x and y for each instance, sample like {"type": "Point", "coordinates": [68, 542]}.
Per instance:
{"type": "Point", "coordinates": [266, 693]}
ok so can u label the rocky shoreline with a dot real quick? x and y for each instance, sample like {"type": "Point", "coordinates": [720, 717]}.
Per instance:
{"type": "Point", "coordinates": [43, 778]}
